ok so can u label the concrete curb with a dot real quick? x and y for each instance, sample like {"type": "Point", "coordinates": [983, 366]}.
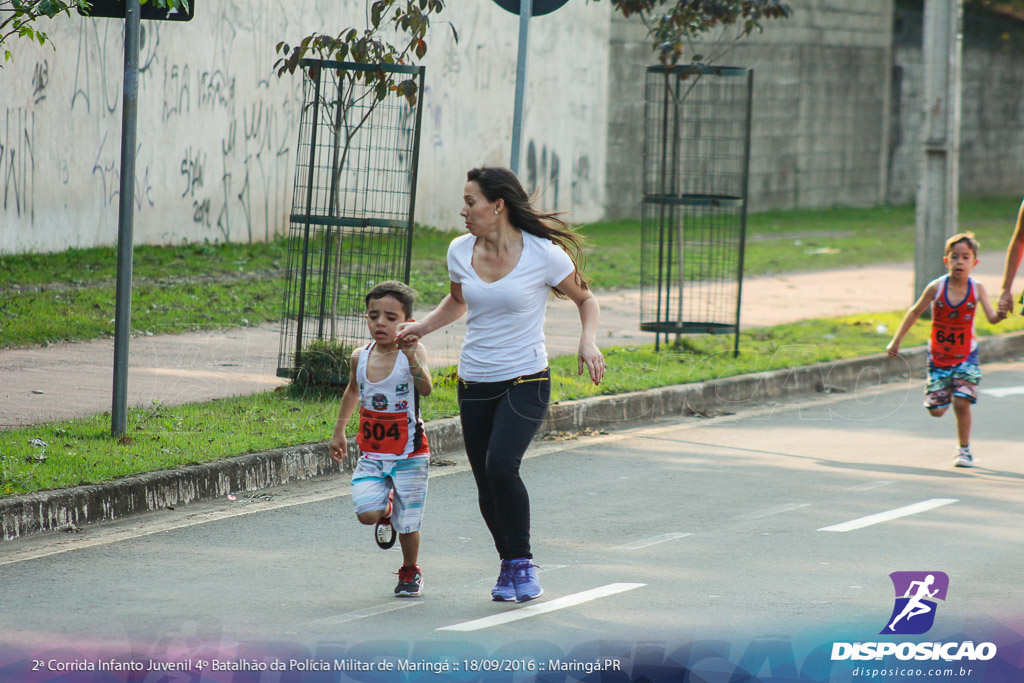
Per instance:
{"type": "Point", "coordinates": [50, 510]}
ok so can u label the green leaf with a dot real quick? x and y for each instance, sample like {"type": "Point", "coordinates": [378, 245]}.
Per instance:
{"type": "Point", "coordinates": [49, 8]}
{"type": "Point", "coordinates": [410, 19]}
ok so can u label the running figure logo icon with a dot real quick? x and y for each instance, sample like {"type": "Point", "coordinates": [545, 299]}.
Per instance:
{"type": "Point", "coordinates": [916, 592]}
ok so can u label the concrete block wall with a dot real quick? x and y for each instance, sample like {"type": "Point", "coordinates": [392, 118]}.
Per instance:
{"type": "Point", "coordinates": [217, 129]}
{"type": "Point", "coordinates": [992, 107]}
{"type": "Point", "coordinates": [821, 94]}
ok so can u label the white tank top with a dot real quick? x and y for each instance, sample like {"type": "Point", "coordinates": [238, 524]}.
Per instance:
{"type": "Point", "coordinates": [390, 426]}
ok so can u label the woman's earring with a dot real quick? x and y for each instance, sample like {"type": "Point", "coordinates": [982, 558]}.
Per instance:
{"type": "Point", "coordinates": [495, 212]}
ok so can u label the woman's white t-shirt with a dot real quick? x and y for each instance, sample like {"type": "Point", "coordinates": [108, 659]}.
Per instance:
{"type": "Point", "coordinates": [505, 318]}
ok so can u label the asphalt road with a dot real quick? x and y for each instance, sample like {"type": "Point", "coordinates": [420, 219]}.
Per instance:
{"type": "Point", "coordinates": [747, 529]}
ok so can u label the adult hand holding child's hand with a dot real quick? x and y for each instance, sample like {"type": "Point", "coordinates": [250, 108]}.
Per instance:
{"type": "Point", "coordinates": [408, 333]}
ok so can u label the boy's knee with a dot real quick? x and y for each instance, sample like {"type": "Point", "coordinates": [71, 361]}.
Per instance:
{"type": "Point", "coordinates": [938, 412]}
{"type": "Point", "coordinates": [369, 517]}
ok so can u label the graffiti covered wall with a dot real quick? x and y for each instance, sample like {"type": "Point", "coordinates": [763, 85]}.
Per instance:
{"type": "Point", "coordinates": [217, 129]}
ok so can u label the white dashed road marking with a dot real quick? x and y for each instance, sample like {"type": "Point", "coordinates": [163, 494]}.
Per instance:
{"type": "Point", "coordinates": [543, 607]}
{"type": "Point", "coordinates": [1003, 392]}
{"type": "Point", "coordinates": [869, 485]}
{"type": "Point", "coordinates": [914, 509]}
{"type": "Point", "coordinates": [364, 613]}
{"type": "Point", "coordinates": [789, 507]}
{"type": "Point", "coordinates": [653, 540]}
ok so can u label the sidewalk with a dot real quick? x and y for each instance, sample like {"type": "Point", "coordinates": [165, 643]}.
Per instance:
{"type": "Point", "coordinates": [75, 380]}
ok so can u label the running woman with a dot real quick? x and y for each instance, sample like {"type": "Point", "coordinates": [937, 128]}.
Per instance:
{"type": "Point", "coordinates": [501, 274]}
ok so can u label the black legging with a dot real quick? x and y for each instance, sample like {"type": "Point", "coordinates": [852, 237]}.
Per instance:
{"type": "Point", "coordinates": [499, 419]}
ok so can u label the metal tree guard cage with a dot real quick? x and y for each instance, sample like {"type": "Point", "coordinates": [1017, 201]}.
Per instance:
{"type": "Point", "coordinates": [352, 206]}
{"type": "Point", "coordinates": [696, 161]}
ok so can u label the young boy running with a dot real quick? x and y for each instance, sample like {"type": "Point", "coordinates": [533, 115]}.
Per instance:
{"type": "Point", "coordinates": [953, 371]}
{"type": "Point", "coordinates": [387, 379]}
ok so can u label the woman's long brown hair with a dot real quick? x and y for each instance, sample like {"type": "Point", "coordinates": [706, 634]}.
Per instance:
{"type": "Point", "coordinates": [497, 183]}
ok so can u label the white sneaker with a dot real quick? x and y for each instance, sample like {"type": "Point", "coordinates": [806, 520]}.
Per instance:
{"type": "Point", "coordinates": [963, 457]}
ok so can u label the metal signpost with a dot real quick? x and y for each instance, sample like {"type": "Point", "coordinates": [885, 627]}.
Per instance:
{"type": "Point", "coordinates": [132, 12]}
{"type": "Point", "coordinates": [125, 218]}
{"type": "Point", "coordinates": [540, 7]}
{"type": "Point", "coordinates": [525, 9]}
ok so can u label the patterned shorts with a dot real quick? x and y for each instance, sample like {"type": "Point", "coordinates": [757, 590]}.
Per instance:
{"type": "Point", "coordinates": [945, 383]}
{"type": "Point", "coordinates": [373, 479]}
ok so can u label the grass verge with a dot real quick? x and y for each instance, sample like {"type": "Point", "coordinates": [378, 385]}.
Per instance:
{"type": "Point", "coordinates": [46, 298]}
{"type": "Point", "coordinates": [787, 241]}
{"type": "Point", "coordinates": [72, 452]}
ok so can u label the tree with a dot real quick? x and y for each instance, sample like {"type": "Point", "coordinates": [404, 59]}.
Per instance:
{"type": "Point", "coordinates": [409, 19]}
{"type": "Point", "coordinates": [675, 26]}
{"type": "Point", "coordinates": [360, 91]}
{"type": "Point", "coordinates": [18, 17]}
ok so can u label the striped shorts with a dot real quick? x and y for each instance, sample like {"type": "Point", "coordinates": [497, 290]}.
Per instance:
{"type": "Point", "coordinates": [373, 479]}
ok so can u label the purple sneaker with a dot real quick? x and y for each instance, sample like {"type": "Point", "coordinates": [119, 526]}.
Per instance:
{"type": "Point", "coordinates": [503, 590]}
{"type": "Point", "coordinates": [524, 579]}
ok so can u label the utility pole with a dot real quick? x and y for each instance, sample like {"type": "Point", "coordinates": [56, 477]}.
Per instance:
{"type": "Point", "coordinates": [936, 214]}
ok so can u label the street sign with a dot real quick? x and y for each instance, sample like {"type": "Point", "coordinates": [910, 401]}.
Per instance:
{"type": "Point", "coordinates": [540, 7]}
{"type": "Point", "coordinates": [114, 9]}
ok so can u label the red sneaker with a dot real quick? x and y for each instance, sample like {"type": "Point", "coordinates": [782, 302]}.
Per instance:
{"type": "Point", "coordinates": [410, 582]}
